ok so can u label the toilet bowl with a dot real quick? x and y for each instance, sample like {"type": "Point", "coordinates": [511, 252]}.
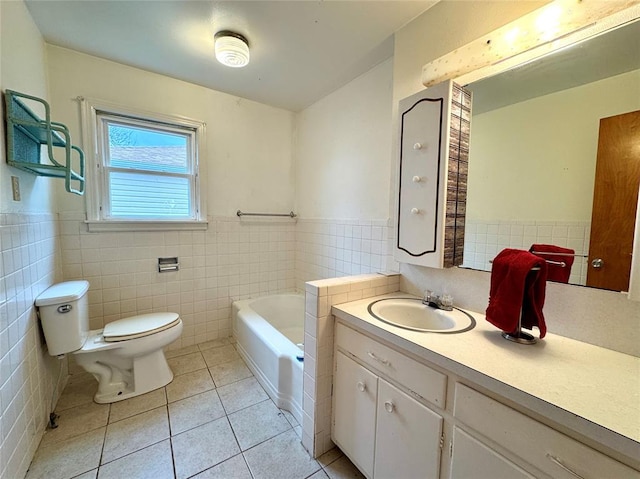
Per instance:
{"type": "Point", "coordinates": [126, 356]}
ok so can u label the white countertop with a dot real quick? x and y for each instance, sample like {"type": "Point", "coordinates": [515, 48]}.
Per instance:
{"type": "Point", "coordinates": [588, 389]}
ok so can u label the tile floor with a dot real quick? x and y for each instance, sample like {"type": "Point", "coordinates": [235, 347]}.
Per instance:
{"type": "Point", "coordinates": [213, 421]}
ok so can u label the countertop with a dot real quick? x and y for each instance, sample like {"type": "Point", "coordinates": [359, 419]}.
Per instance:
{"type": "Point", "coordinates": [590, 390]}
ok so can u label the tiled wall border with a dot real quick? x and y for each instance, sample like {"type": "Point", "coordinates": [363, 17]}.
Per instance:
{"type": "Point", "coordinates": [30, 379]}
{"type": "Point", "coordinates": [318, 348]}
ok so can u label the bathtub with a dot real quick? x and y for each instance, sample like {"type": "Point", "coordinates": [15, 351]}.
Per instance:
{"type": "Point", "coordinates": [268, 331]}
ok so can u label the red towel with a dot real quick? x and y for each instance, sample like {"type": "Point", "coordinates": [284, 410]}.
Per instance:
{"type": "Point", "coordinates": [515, 289]}
{"type": "Point", "coordinates": [555, 272]}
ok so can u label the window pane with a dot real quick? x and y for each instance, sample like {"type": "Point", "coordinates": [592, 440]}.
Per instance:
{"type": "Point", "coordinates": [137, 195]}
{"type": "Point", "coordinates": [147, 149]}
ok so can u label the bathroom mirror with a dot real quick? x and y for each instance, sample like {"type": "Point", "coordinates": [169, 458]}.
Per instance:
{"type": "Point", "coordinates": [534, 146]}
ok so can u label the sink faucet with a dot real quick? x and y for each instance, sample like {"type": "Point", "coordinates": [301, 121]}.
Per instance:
{"type": "Point", "coordinates": [443, 301]}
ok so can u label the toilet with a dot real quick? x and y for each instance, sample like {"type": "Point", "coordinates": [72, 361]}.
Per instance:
{"type": "Point", "coordinates": [126, 357]}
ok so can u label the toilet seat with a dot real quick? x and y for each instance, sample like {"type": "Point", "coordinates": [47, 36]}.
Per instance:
{"type": "Point", "coordinates": [139, 326]}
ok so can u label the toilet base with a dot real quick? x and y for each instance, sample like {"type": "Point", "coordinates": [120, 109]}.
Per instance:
{"type": "Point", "coordinates": [117, 381]}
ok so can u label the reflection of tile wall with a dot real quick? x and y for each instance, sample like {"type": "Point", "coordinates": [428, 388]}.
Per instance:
{"type": "Point", "coordinates": [332, 248]}
{"type": "Point", "coordinates": [233, 259]}
{"type": "Point", "coordinates": [485, 239]}
{"type": "Point", "coordinates": [28, 375]}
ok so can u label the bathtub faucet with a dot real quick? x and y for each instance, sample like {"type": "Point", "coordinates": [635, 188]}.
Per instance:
{"type": "Point", "coordinates": [444, 301]}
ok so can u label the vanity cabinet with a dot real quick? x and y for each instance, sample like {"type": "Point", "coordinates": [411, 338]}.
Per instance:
{"type": "Point", "coordinates": [386, 431]}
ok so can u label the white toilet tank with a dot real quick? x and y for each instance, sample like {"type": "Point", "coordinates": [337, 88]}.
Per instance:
{"type": "Point", "coordinates": [64, 314]}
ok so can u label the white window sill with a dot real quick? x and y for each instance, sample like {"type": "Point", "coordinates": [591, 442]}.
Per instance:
{"type": "Point", "coordinates": [104, 226]}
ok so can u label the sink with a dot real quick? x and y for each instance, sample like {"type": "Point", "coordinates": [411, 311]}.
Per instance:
{"type": "Point", "coordinates": [412, 314]}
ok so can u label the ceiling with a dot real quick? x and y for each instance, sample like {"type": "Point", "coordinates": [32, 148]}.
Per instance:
{"type": "Point", "coordinates": [300, 50]}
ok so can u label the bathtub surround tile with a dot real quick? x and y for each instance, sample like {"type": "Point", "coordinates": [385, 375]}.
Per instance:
{"type": "Point", "coordinates": [230, 372]}
{"type": "Point", "coordinates": [258, 423]}
{"type": "Point", "coordinates": [189, 384]}
{"type": "Point", "coordinates": [136, 405]}
{"type": "Point", "coordinates": [241, 394]}
{"type": "Point", "coordinates": [77, 421]}
{"type": "Point", "coordinates": [186, 363]}
{"type": "Point", "coordinates": [218, 355]}
{"type": "Point", "coordinates": [68, 458]}
{"type": "Point", "coordinates": [135, 433]}
{"type": "Point", "coordinates": [194, 411]}
{"type": "Point", "coordinates": [318, 369]}
{"type": "Point", "coordinates": [234, 468]}
{"type": "Point", "coordinates": [281, 456]}
{"type": "Point", "coordinates": [153, 462]}
{"type": "Point", "coordinates": [202, 447]}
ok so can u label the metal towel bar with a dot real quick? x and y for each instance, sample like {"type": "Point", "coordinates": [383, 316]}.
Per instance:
{"type": "Point", "coordinates": [291, 214]}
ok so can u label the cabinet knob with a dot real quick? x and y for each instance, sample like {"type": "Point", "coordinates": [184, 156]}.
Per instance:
{"type": "Point", "coordinates": [417, 179]}
{"type": "Point", "coordinates": [389, 406]}
{"type": "Point", "coordinates": [415, 211]}
{"type": "Point", "coordinates": [362, 387]}
{"type": "Point", "coordinates": [417, 146]}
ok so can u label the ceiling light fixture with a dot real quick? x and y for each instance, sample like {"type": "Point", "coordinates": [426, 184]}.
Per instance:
{"type": "Point", "coordinates": [232, 49]}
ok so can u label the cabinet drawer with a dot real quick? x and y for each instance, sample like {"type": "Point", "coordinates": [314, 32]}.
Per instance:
{"type": "Point", "coordinates": [543, 447]}
{"type": "Point", "coordinates": [420, 379]}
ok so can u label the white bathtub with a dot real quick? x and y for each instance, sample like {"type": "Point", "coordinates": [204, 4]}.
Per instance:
{"type": "Point", "coordinates": [268, 330]}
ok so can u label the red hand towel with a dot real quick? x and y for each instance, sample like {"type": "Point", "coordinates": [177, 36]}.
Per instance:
{"type": "Point", "coordinates": [555, 272]}
{"type": "Point", "coordinates": [515, 290]}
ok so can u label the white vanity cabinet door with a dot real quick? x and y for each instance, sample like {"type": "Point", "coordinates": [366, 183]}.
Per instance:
{"type": "Point", "coordinates": [472, 458]}
{"type": "Point", "coordinates": [354, 412]}
{"type": "Point", "coordinates": [408, 437]}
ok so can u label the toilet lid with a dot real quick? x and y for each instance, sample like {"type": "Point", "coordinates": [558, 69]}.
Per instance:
{"type": "Point", "coordinates": [139, 326]}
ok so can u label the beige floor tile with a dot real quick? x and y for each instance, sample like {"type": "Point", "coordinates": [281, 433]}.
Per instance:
{"type": "Point", "coordinates": [153, 462]}
{"type": "Point", "coordinates": [330, 456]}
{"type": "Point", "coordinates": [343, 468]}
{"type": "Point", "coordinates": [187, 363]}
{"type": "Point", "coordinates": [135, 405]}
{"type": "Point", "coordinates": [279, 457]}
{"type": "Point", "coordinates": [80, 390]}
{"type": "Point", "coordinates": [241, 394]}
{"type": "Point", "coordinates": [230, 372]}
{"type": "Point", "coordinates": [319, 475]}
{"type": "Point", "coordinates": [215, 343]}
{"type": "Point", "coordinates": [135, 433]}
{"type": "Point", "coordinates": [220, 355]}
{"type": "Point", "coordinates": [189, 384]}
{"type": "Point", "coordinates": [234, 468]}
{"type": "Point", "coordinates": [258, 423]}
{"type": "Point", "coordinates": [88, 475]}
{"type": "Point", "coordinates": [194, 411]}
{"type": "Point", "coordinates": [203, 447]}
{"type": "Point", "coordinates": [174, 353]}
{"type": "Point", "coordinates": [69, 458]}
{"type": "Point", "coordinates": [76, 421]}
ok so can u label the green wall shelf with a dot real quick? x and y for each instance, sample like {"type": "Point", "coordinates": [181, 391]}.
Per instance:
{"type": "Point", "coordinates": [27, 133]}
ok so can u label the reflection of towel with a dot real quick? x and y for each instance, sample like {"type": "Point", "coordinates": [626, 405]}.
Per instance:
{"type": "Point", "coordinates": [555, 272]}
{"type": "Point", "coordinates": [516, 290]}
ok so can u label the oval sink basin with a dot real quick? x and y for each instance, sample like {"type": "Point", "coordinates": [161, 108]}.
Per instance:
{"type": "Point", "coordinates": [412, 314]}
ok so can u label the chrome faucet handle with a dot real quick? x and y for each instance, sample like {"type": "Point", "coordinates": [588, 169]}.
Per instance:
{"type": "Point", "coordinates": [446, 302]}
{"type": "Point", "coordinates": [428, 296]}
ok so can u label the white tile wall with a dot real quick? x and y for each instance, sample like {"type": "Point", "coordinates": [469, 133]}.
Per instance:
{"type": "Point", "coordinates": [318, 348]}
{"type": "Point", "coordinates": [334, 248]}
{"type": "Point", "coordinates": [485, 239]}
{"type": "Point", "coordinates": [30, 379]}
{"type": "Point", "coordinates": [233, 259]}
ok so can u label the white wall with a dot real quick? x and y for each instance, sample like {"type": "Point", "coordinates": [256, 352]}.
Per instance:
{"type": "Point", "coordinates": [343, 150]}
{"type": "Point", "coordinates": [550, 180]}
{"type": "Point", "coordinates": [248, 160]}
{"type": "Point", "coordinates": [28, 257]}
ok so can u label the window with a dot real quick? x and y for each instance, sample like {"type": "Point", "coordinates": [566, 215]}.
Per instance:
{"type": "Point", "coordinates": [145, 174]}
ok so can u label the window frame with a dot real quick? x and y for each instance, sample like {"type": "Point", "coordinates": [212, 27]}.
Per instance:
{"type": "Point", "coordinates": [96, 114]}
